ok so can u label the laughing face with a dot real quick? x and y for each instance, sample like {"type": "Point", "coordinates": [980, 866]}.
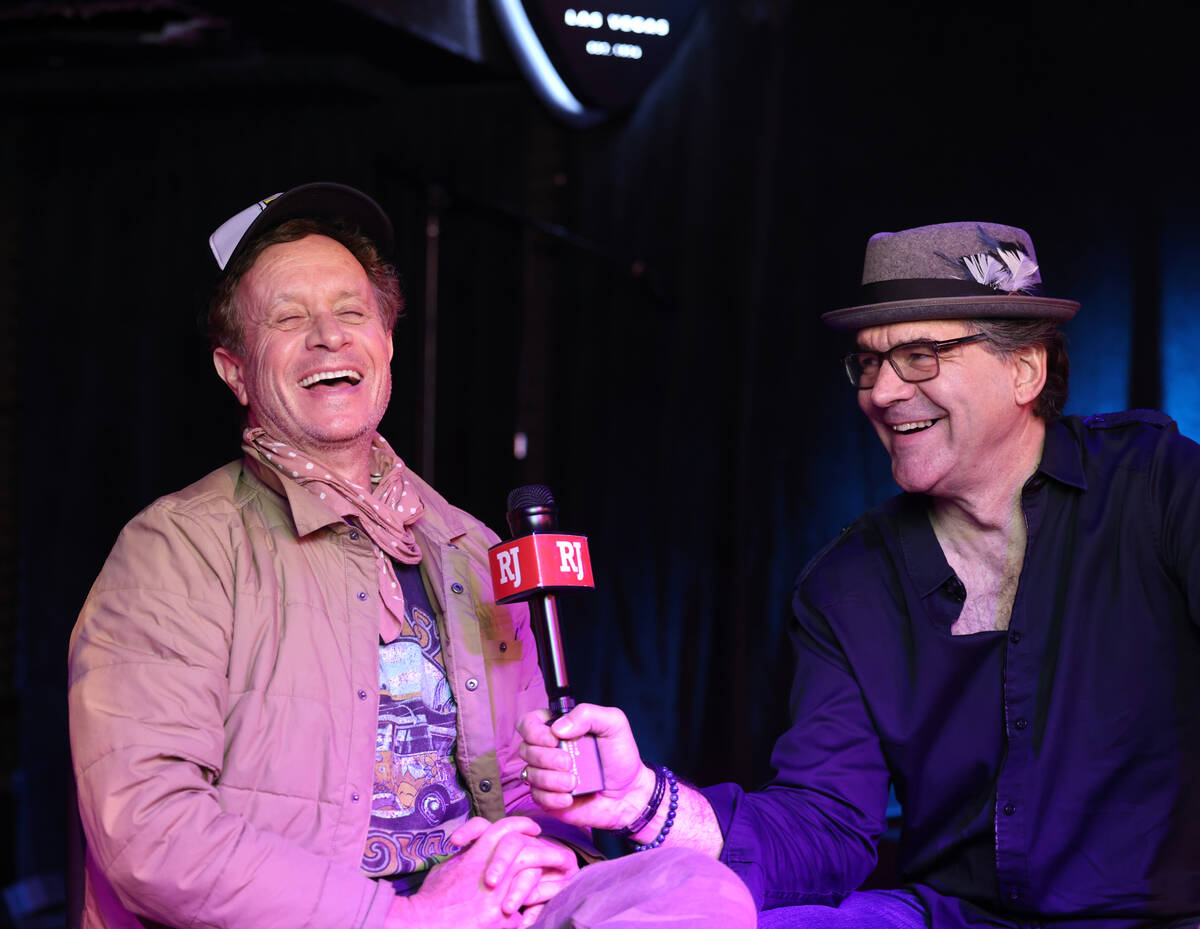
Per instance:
{"type": "Point", "coordinates": [946, 436]}
{"type": "Point", "coordinates": [315, 370]}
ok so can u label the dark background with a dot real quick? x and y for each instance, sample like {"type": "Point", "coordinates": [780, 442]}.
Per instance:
{"type": "Point", "coordinates": [641, 298]}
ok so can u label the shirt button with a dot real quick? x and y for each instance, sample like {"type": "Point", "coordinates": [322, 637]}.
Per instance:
{"type": "Point", "coordinates": [503, 646]}
{"type": "Point", "coordinates": [472, 683]}
{"type": "Point", "coordinates": [1021, 723]}
{"type": "Point", "coordinates": [485, 785]}
{"type": "Point", "coordinates": [362, 694]}
{"type": "Point", "coordinates": [456, 587]}
{"type": "Point", "coordinates": [1014, 637]}
{"type": "Point", "coordinates": [1009, 809]}
{"type": "Point", "coordinates": [354, 534]}
{"type": "Point", "coordinates": [362, 595]}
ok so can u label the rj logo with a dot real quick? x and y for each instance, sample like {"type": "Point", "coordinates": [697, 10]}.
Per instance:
{"type": "Point", "coordinates": [572, 558]}
{"type": "Point", "coordinates": [510, 566]}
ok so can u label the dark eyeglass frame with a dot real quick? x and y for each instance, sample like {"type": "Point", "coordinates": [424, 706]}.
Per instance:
{"type": "Point", "coordinates": [851, 361]}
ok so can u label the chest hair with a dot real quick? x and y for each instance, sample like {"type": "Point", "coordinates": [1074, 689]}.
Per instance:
{"type": "Point", "coordinates": [989, 566]}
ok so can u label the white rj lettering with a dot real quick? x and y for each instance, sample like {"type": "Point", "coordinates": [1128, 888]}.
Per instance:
{"type": "Point", "coordinates": [572, 557]}
{"type": "Point", "coordinates": [510, 566]}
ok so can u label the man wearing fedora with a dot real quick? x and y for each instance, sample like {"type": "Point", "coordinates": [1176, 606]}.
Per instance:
{"type": "Point", "coordinates": [1013, 642]}
{"type": "Point", "coordinates": [293, 699]}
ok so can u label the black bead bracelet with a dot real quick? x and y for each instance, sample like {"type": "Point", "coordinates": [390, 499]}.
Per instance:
{"type": "Point", "coordinates": [663, 773]}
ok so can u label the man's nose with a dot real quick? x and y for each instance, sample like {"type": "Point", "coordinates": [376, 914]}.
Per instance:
{"type": "Point", "coordinates": [327, 331]}
{"type": "Point", "coordinates": [889, 387]}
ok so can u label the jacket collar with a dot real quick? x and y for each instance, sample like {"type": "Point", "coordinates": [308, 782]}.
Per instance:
{"type": "Point", "coordinates": [440, 524]}
{"type": "Point", "coordinates": [309, 512]}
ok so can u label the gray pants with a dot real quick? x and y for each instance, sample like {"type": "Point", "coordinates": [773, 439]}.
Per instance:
{"type": "Point", "coordinates": [671, 886]}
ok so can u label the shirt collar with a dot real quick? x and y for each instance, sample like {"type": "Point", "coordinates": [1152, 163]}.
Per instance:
{"type": "Point", "coordinates": [923, 556]}
{"type": "Point", "coordinates": [1062, 456]}
{"type": "Point", "coordinates": [1062, 460]}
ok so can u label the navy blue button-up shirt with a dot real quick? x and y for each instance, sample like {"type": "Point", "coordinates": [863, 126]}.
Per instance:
{"type": "Point", "coordinates": [1048, 772]}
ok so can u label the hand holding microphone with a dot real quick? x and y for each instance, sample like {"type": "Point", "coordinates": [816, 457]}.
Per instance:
{"type": "Point", "coordinates": [531, 566]}
{"type": "Point", "coordinates": [607, 785]}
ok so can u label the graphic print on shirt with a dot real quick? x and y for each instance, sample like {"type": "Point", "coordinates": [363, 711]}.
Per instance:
{"type": "Point", "coordinates": [418, 800]}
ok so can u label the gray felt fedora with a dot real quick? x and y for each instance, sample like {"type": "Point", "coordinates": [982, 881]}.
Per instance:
{"type": "Point", "coordinates": [950, 271]}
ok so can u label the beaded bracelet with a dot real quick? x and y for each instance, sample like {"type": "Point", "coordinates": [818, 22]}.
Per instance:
{"type": "Point", "coordinates": [639, 824]}
{"type": "Point", "coordinates": [664, 771]}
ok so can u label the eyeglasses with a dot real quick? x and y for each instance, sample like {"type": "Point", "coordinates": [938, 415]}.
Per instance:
{"type": "Point", "coordinates": [912, 361]}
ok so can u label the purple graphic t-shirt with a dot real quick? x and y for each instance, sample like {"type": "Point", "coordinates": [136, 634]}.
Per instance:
{"type": "Point", "coordinates": [418, 800]}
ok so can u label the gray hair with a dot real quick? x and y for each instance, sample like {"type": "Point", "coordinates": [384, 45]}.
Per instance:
{"type": "Point", "coordinates": [1007, 336]}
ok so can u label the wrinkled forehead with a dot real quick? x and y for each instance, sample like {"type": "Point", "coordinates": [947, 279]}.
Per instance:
{"type": "Point", "coordinates": [881, 338]}
{"type": "Point", "coordinates": [315, 268]}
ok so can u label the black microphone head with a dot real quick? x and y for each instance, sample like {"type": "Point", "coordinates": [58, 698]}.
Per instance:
{"type": "Point", "coordinates": [530, 495]}
{"type": "Point", "coordinates": [531, 508]}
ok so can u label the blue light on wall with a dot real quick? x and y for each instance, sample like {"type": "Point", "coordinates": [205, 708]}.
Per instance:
{"type": "Point", "coordinates": [1098, 343]}
{"type": "Point", "coordinates": [1181, 328]}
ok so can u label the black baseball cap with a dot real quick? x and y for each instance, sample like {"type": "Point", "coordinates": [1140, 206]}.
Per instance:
{"type": "Point", "coordinates": [320, 200]}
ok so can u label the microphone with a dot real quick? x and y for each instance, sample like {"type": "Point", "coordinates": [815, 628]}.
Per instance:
{"type": "Point", "coordinates": [537, 561]}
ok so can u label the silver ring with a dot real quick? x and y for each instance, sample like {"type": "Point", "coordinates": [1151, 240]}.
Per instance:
{"type": "Point", "coordinates": [525, 774]}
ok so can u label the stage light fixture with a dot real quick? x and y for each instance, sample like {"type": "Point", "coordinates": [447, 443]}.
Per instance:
{"type": "Point", "coordinates": [587, 62]}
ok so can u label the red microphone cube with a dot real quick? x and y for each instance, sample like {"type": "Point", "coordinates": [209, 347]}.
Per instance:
{"type": "Point", "coordinates": [541, 561]}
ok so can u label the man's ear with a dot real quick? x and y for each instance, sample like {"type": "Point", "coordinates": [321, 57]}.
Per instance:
{"type": "Point", "coordinates": [1029, 373]}
{"type": "Point", "coordinates": [229, 367]}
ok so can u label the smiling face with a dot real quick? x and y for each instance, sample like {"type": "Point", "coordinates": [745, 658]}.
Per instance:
{"type": "Point", "coordinates": [315, 368]}
{"type": "Point", "coordinates": [960, 434]}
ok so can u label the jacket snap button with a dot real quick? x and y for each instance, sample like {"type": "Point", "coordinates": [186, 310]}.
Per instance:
{"type": "Point", "coordinates": [362, 595]}
{"type": "Point", "coordinates": [472, 683]}
{"type": "Point", "coordinates": [456, 587]}
{"type": "Point", "coordinates": [354, 535]}
{"type": "Point", "coordinates": [1009, 809]}
{"type": "Point", "coordinates": [485, 785]}
{"type": "Point", "coordinates": [362, 695]}
{"type": "Point", "coordinates": [503, 646]}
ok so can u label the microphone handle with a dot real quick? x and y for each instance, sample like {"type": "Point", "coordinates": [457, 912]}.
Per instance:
{"type": "Point", "coordinates": [584, 750]}
{"type": "Point", "coordinates": [543, 615]}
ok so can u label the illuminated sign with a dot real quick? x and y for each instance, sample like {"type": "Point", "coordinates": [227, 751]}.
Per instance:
{"type": "Point", "coordinates": [586, 61]}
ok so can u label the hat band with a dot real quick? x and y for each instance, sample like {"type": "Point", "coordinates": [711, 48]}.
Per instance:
{"type": "Point", "coordinates": [925, 288]}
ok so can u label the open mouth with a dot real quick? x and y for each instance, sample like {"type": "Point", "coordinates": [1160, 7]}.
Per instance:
{"type": "Point", "coordinates": [343, 378]}
{"type": "Point", "coordinates": [910, 428]}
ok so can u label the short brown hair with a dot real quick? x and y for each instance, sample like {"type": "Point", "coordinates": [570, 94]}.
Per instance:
{"type": "Point", "coordinates": [225, 328]}
{"type": "Point", "coordinates": [1006, 336]}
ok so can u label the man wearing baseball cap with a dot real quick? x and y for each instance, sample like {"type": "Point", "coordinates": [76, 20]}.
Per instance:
{"type": "Point", "coordinates": [293, 699]}
{"type": "Point", "coordinates": [1013, 642]}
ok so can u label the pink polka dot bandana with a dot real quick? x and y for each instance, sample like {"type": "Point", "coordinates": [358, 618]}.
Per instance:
{"type": "Point", "coordinates": [385, 514]}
